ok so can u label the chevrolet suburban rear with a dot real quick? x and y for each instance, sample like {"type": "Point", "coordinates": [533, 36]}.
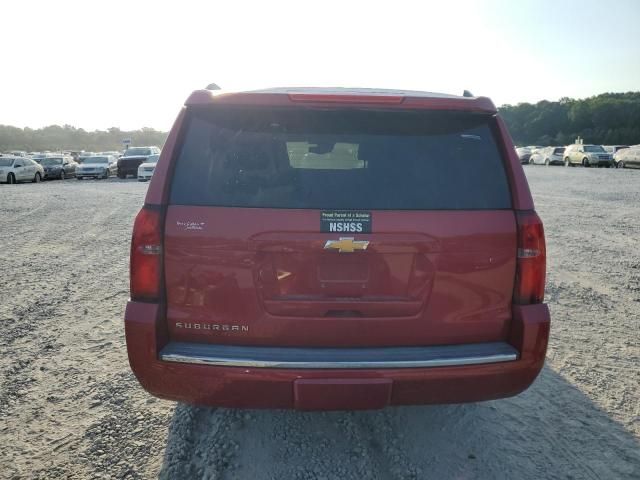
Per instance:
{"type": "Point", "coordinates": [325, 249]}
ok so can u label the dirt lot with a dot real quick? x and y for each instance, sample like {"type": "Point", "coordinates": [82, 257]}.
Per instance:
{"type": "Point", "coordinates": [70, 407]}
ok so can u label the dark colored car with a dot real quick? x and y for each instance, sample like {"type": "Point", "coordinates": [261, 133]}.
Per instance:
{"type": "Point", "coordinates": [132, 158]}
{"type": "Point", "coordinates": [59, 167]}
{"type": "Point", "coordinates": [337, 249]}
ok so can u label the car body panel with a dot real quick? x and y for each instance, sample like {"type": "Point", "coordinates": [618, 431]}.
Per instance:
{"type": "Point", "coordinates": [353, 97]}
{"type": "Point", "coordinates": [448, 281]}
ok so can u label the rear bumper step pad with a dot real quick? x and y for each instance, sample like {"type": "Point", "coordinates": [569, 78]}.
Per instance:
{"type": "Point", "coordinates": [338, 358]}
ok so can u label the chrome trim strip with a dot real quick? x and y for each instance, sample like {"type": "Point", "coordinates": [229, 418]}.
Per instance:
{"type": "Point", "coordinates": [339, 358]}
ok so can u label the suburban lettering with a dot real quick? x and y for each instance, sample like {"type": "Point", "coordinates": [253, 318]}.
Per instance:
{"type": "Point", "coordinates": [213, 327]}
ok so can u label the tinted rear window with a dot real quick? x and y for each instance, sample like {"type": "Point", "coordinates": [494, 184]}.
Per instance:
{"type": "Point", "coordinates": [339, 159]}
{"type": "Point", "coordinates": [131, 152]}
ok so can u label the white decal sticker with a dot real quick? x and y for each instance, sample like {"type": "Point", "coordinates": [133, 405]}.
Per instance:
{"type": "Point", "coordinates": [190, 225]}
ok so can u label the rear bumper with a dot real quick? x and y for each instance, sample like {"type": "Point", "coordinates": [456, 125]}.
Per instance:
{"type": "Point", "coordinates": [129, 169]}
{"type": "Point", "coordinates": [328, 386]}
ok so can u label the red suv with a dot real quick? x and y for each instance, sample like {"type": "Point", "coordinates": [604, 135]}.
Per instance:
{"type": "Point", "coordinates": [337, 249]}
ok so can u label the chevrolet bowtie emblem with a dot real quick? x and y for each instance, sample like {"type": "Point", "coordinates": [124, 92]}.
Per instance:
{"type": "Point", "coordinates": [346, 245]}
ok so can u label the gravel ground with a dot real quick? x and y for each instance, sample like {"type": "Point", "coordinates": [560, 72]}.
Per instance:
{"type": "Point", "coordinates": [70, 407]}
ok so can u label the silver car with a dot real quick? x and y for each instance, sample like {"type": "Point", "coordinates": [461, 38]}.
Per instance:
{"type": "Point", "coordinates": [628, 157]}
{"type": "Point", "coordinates": [101, 166]}
{"type": "Point", "coordinates": [587, 156]}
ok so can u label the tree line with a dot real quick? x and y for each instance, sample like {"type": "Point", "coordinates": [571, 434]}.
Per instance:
{"type": "Point", "coordinates": [606, 119]}
{"type": "Point", "coordinates": [56, 138]}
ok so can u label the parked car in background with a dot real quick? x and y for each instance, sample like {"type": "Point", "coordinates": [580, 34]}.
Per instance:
{"type": "Point", "coordinates": [101, 166]}
{"type": "Point", "coordinates": [20, 169]}
{"type": "Point", "coordinates": [113, 153]}
{"type": "Point", "coordinates": [146, 169]}
{"type": "Point", "coordinates": [84, 155]}
{"type": "Point", "coordinates": [524, 154]}
{"type": "Point", "coordinates": [316, 249]}
{"type": "Point", "coordinates": [18, 153]}
{"type": "Point", "coordinates": [587, 155]}
{"type": "Point", "coordinates": [75, 154]}
{"type": "Point", "coordinates": [628, 157]}
{"type": "Point", "coordinates": [547, 156]}
{"type": "Point", "coordinates": [38, 156]}
{"type": "Point", "coordinates": [59, 167]}
{"type": "Point", "coordinates": [612, 149]}
{"type": "Point", "coordinates": [132, 158]}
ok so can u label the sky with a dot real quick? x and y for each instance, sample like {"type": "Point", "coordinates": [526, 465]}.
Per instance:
{"type": "Point", "coordinates": [130, 64]}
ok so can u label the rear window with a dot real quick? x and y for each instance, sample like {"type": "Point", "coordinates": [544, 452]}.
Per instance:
{"type": "Point", "coordinates": [339, 159]}
{"type": "Point", "coordinates": [593, 148]}
{"type": "Point", "coordinates": [131, 152]}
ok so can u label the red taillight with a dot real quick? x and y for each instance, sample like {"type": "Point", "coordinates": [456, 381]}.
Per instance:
{"type": "Point", "coordinates": [531, 259]}
{"type": "Point", "coordinates": [146, 256]}
{"type": "Point", "coordinates": [337, 98]}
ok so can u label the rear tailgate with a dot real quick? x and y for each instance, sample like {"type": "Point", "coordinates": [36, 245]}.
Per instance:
{"type": "Point", "coordinates": [309, 227]}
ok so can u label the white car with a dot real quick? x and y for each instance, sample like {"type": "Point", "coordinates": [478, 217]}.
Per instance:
{"type": "Point", "coordinates": [146, 169]}
{"type": "Point", "coordinates": [97, 167]}
{"type": "Point", "coordinates": [20, 169]}
{"type": "Point", "coordinates": [547, 156]}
